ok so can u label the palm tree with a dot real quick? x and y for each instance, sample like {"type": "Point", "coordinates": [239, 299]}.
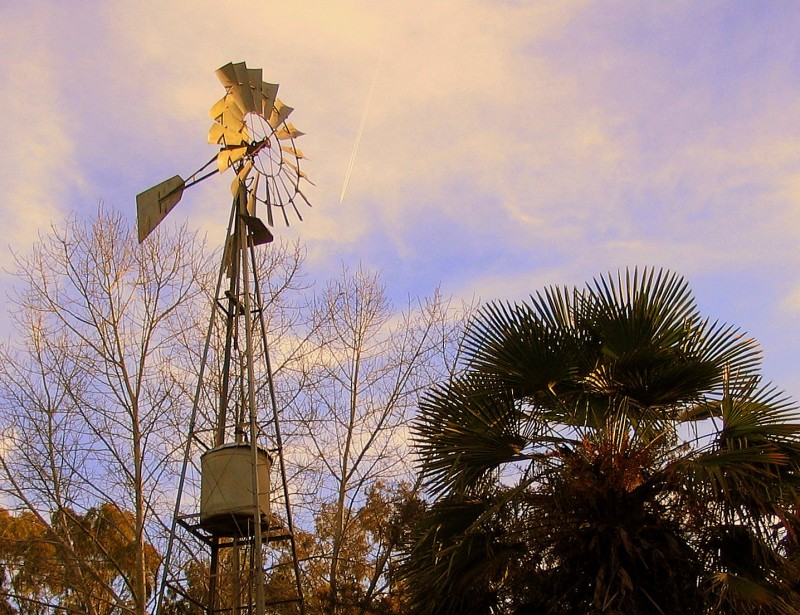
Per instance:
{"type": "Point", "coordinates": [607, 450]}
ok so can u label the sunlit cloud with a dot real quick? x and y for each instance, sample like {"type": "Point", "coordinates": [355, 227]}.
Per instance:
{"type": "Point", "coordinates": [39, 162]}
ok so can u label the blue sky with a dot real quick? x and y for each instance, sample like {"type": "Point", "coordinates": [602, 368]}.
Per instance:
{"type": "Point", "coordinates": [508, 145]}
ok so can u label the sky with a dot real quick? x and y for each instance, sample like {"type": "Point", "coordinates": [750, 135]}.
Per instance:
{"type": "Point", "coordinates": [506, 145]}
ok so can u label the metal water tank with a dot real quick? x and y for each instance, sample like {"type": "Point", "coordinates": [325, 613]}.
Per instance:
{"type": "Point", "coordinates": [227, 505]}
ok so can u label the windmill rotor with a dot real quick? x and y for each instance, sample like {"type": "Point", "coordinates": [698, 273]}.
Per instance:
{"type": "Point", "coordinates": [256, 139]}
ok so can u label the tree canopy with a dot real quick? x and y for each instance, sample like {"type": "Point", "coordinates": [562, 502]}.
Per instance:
{"type": "Point", "coordinates": [80, 561]}
{"type": "Point", "coordinates": [604, 449]}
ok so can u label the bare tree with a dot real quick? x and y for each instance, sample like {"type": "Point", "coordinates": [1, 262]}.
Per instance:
{"type": "Point", "coordinates": [355, 394]}
{"type": "Point", "coordinates": [85, 389]}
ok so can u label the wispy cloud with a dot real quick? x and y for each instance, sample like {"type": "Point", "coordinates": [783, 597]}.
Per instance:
{"type": "Point", "coordinates": [508, 145]}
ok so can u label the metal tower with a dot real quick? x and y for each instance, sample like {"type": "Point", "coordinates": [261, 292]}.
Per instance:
{"type": "Point", "coordinates": [224, 496]}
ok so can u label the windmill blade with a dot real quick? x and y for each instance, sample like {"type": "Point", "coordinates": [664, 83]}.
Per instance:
{"type": "Point", "coordinates": [226, 137]}
{"type": "Point", "coordinates": [279, 114]}
{"type": "Point", "coordinates": [218, 108]}
{"type": "Point", "coordinates": [294, 151]}
{"type": "Point", "coordinates": [233, 119]}
{"type": "Point", "coordinates": [228, 156]}
{"type": "Point", "coordinates": [269, 93]}
{"type": "Point", "coordinates": [254, 76]}
{"type": "Point", "coordinates": [252, 198]}
{"type": "Point", "coordinates": [226, 75]}
{"type": "Point", "coordinates": [227, 112]}
{"type": "Point", "coordinates": [153, 205]}
{"type": "Point", "coordinates": [299, 173]}
{"type": "Point", "coordinates": [241, 176]}
{"type": "Point", "coordinates": [241, 91]}
{"type": "Point", "coordinates": [288, 132]}
{"type": "Point", "coordinates": [232, 76]}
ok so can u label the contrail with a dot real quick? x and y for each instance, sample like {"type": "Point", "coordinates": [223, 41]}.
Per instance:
{"type": "Point", "coordinates": [360, 130]}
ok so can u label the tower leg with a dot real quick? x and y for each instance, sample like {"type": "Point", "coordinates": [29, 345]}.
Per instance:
{"type": "Point", "coordinates": [213, 576]}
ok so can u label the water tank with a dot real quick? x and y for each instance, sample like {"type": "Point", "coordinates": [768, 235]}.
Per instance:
{"type": "Point", "coordinates": [227, 506]}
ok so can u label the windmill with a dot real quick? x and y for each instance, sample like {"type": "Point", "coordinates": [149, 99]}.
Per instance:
{"type": "Point", "coordinates": [236, 452]}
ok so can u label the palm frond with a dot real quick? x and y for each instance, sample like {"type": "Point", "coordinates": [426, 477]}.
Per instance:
{"type": "Point", "coordinates": [516, 348]}
{"type": "Point", "coordinates": [461, 435]}
{"type": "Point", "coordinates": [457, 560]}
{"type": "Point", "coordinates": [739, 595]}
{"type": "Point", "coordinates": [749, 468]}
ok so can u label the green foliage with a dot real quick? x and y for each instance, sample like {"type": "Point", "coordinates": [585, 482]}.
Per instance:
{"type": "Point", "coordinates": [374, 533]}
{"type": "Point", "coordinates": [607, 450]}
{"type": "Point", "coordinates": [76, 561]}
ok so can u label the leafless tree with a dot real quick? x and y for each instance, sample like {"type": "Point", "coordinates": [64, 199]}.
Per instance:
{"type": "Point", "coordinates": [85, 386]}
{"type": "Point", "coordinates": [357, 390]}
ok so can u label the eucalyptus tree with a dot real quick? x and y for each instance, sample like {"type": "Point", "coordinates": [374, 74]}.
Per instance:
{"type": "Point", "coordinates": [42, 574]}
{"type": "Point", "coordinates": [607, 449]}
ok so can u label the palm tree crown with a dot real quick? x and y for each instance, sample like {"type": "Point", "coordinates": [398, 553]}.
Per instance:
{"type": "Point", "coordinates": [607, 450]}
